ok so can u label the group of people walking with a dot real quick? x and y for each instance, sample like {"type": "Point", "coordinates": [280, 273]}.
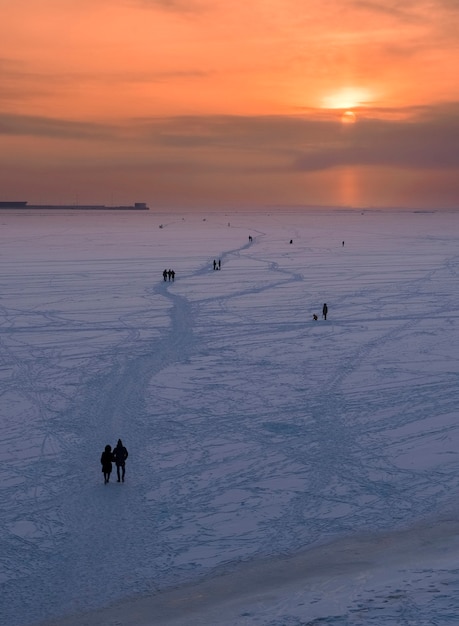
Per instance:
{"type": "Point", "coordinates": [118, 455]}
{"type": "Point", "coordinates": [169, 274]}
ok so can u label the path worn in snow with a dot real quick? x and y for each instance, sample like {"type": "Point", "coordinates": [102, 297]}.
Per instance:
{"type": "Point", "coordinates": [253, 432]}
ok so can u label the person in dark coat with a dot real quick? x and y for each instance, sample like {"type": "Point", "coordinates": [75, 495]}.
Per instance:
{"type": "Point", "coordinates": [120, 454]}
{"type": "Point", "coordinates": [325, 311]}
{"type": "Point", "coordinates": [106, 460]}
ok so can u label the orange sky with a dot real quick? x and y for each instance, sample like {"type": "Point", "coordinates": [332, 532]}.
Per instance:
{"type": "Point", "coordinates": [216, 103]}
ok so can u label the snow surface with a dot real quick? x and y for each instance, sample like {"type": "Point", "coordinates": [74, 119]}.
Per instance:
{"type": "Point", "coordinates": [282, 471]}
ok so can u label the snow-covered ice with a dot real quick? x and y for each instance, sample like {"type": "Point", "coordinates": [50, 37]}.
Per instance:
{"type": "Point", "coordinates": [282, 471]}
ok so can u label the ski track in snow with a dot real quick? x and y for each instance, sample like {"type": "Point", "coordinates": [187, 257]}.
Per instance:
{"type": "Point", "coordinates": [254, 433]}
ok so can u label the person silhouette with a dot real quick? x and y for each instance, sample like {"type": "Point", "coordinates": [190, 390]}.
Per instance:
{"type": "Point", "coordinates": [106, 460]}
{"type": "Point", "coordinates": [120, 454]}
{"type": "Point", "coordinates": [325, 311]}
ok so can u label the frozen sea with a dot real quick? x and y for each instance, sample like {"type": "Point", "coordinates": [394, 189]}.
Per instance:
{"type": "Point", "coordinates": [282, 471]}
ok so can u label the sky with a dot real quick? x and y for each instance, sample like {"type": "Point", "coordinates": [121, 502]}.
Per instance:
{"type": "Point", "coordinates": [196, 103]}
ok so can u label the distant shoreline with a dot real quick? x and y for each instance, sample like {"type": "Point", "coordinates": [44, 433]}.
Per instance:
{"type": "Point", "coordinates": [23, 205]}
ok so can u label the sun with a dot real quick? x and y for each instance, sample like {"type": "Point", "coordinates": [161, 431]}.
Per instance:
{"type": "Point", "coordinates": [348, 117]}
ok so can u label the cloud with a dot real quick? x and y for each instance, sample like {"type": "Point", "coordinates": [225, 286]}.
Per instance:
{"type": "Point", "coordinates": [19, 84]}
{"type": "Point", "coordinates": [255, 133]}
{"type": "Point", "coordinates": [16, 77]}
{"type": "Point", "coordinates": [36, 126]}
{"type": "Point", "coordinates": [171, 6]}
{"type": "Point", "coordinates": [186, 6]}
{"type": "Point", "coordinates": [426, 137]}
{"type": "Point", "coordinates": [429, 140]}
{"type": "Point", "coordinates": [405, 12]}
{"type": "Point", "coordinates": [424, 24]}
{"type": "Point", "coordinates": [409, 10]}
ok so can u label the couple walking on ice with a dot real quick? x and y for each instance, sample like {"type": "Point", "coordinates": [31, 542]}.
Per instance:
{"type": "Point", "coordinates": [118, 456]}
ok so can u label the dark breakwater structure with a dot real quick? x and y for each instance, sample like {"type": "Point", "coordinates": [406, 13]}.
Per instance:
{"type": "Point", "coordinates": [23, 204]}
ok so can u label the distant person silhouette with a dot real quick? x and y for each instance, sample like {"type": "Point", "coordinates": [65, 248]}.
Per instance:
{"type": "Point", "coordinates": [165, 275]}
{"type": "Point", "coordinates": [106, 460]}
{"type": "Point", "coordinates": [120, 454]}
{"type": "Point", "coordinates": [325, 311]}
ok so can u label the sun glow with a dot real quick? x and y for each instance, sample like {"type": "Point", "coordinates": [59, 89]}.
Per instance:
{"type": "Point", "coordinates": [346, 99]}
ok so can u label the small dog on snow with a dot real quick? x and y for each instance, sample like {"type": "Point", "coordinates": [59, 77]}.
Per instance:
{"type": "Point", "coordinates": [314, 317]}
